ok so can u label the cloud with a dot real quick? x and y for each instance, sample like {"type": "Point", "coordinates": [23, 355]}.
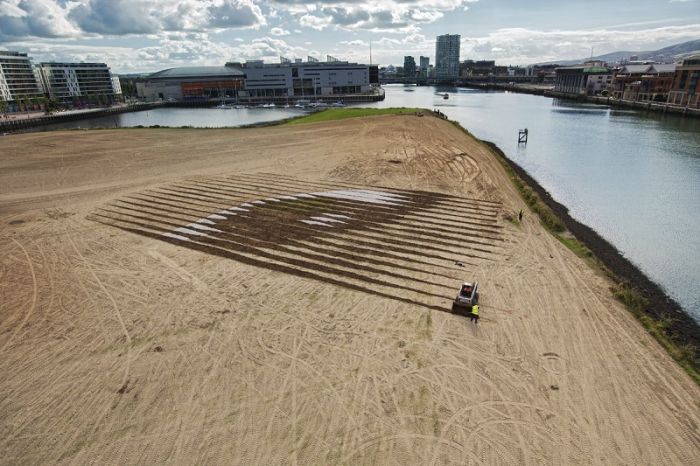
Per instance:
{"type": "Point", "coordinates": [279, 32]}
{"type": "Point", "coordinates": [396, 16]}
{"type": "Point", "coordinates": [76, 18]}
{"type": "Point", "coordinates": [314, 22]}
{"type": "Point", "coordinates": [524, 46]}
{"type": "Point", "coordinates": [39, 18]}
{"type": "Point", "coordinates": [115, 17]}
{"type": "Point", "coordinates": [235, 14]}
{"type": "Point", "coordinates": [354, 43]}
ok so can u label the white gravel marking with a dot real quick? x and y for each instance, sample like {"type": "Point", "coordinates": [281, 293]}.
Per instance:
{"type": "Point", "coordinates": [312, 222]}
{"type": "Point", "coordinates": [189, 231]}
{"type": "Point", "coordinates": [335, 215]}
{"type": "Point", "coordinates": [197, 226]}
{"type": "Point", "coordinates": [217, 217]}
{"type": "Point", "coordinates": [174, 236]}
{"type": "Point", "coordinates": [372, 197]}
{"type": "Point", "coordinates": [327, 219]}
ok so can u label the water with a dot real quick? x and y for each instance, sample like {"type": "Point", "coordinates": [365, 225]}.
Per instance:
{"type": "Point", "coordinates": [634, 177]}
{"type": "Point", "coordinates": [176, 117]}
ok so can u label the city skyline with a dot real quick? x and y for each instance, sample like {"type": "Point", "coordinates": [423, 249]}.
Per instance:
{"type": "Point", "coordinates": [147, 35]}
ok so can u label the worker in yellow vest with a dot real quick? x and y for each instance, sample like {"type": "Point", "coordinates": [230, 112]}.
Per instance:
{"type": "Point", "coordinates": [474, 316]}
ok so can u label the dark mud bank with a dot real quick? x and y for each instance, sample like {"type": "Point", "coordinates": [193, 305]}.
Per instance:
{"type": "Point", "coordinates": [682, 329]}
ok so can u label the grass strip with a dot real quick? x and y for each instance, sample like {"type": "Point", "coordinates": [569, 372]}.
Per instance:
{"type": "Point", "coordinates": [332, 114]}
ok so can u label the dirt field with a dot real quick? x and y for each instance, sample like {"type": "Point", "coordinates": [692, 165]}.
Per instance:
{"type": "Point", "coordinates": [281, 295]}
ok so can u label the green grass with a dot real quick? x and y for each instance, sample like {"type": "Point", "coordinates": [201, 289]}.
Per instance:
{"type": "Point", "coordinates": [352, 112]}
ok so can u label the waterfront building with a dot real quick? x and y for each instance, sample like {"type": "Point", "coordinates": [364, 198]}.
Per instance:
{"type": "Point", "coordinates": [70, 82]}
{"type": "Point", "coordinates": [685, 89]}
{"type": "Point", "coordinates": [424, 65]}
{"type": "Point", "coordinates": [192, 83]}
{"type": "Point", "coordinates": [643, 82]}
{"type": "Point", "coordinates": [258, 80]}
{"type": "Point", "coordinates": [17, 79]}
{"type": "Point", "coordinates": [409, 68]}
{"type": "Point", "coordinates": [447, 57]}
{"type": "Point", "coordinates": [590, 78]}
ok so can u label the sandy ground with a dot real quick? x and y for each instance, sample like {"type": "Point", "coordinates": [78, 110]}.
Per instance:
{"type": "Point", "coordinates": [273, 338]}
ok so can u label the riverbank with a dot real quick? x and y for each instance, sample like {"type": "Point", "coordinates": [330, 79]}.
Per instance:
{"type": "Point", "coordinates": [659, 313]}
{"type": "Point", "coordinates": [24, 122]}
{"type": "Point", "coordinates": [657, 107]}
{"type": "Point", "coordinates": [268, 337]}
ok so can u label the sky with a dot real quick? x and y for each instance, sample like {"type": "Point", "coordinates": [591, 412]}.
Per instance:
{"type": "Point", "coordinates": [134, 36]}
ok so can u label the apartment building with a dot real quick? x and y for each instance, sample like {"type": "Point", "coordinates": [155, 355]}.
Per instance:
{"type": "Point", "coordinates": [67, 81]}
{"type": "Point", "coordinates": [17, 79]}
{"type": "Point", "coordinates": [685, 89]}
{"type": "Point", "coordinates": [447, 56]}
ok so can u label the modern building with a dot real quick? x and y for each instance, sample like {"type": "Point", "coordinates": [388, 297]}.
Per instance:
{"type": "Point", "coordinates": [17, 78]}
{"type": "Point", "coordinates": [649, 82]}
{"type": "Point", "coordinates": [480, 68]}
{"type": "Point", "coordinates": [78, 81]}
{"type": "Point", "coordinates": [192, 83]}
{"type": "Point", "coordinates": [424, 65]}
{"type": "Point", "coordinates": [409, 68]}
{"type": "Point", "coordinates": [447, 57]}
{"type": "Point", "coordinates": [306, 79]}
{"type": "Point", "coordinates": [685, 89]}
{"type": "Point", "coordinates": [590, 78]}
{"type": "Point", "coordinates": [258, 80]}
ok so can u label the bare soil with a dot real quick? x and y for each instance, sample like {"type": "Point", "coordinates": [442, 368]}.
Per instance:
{"type": "Point", "coordinates": [271, 340]}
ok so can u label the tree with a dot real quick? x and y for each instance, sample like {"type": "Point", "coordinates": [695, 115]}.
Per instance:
{"type": "Point", "coordinates": [3, 106]}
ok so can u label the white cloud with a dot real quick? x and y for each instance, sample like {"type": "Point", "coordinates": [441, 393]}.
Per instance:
{"type": "Point", "coordinates": [397, 16]}
{"type": "Point", "coordinates": [314, 22]}
{"type": "Point", "coordinates": [523, 46]}
{"type": "Point", "coordinates": [52, 18]}
{"type": "Point", "coordinates": [354, 43]}
{"type": "Point", "coordinates": [279, 32]}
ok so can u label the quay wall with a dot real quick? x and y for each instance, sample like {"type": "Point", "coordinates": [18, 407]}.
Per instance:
{"type": "Point", "coordinates": [661, 107]}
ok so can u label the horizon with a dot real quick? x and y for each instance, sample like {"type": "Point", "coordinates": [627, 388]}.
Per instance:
{"type": "Point", "coordinates": [142, 36]}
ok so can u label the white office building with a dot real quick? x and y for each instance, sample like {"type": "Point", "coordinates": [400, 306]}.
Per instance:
{"type": "Point", "coordinates": [65, 81]}
{"type": "Point", "coordinates": [306, 79]}
{"type": "Point", "coordinates": [17, 79]}
{"type": "Point", "coordinates": [447, 57]}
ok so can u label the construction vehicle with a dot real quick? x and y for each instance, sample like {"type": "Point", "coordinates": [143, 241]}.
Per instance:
{"type": "Point", "coordinates": [467, 296]}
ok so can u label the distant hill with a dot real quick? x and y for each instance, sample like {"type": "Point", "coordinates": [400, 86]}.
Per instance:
{"type": "Point", "coordinates": [671, 53]}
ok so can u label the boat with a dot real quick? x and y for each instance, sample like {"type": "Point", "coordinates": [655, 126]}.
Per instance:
{"type": "Point", "coordinates": [223, 106]}
{"type": "Point", "coordinates": [318, 105]}
{"type": "Point", "coordinates": [445, 96]}
{"type": "Point", "coordinates": [269, 105]}
{"type": "Point", "coordinates": [337, 104]}
{"type": "Point", "coordinates": [302, 103]}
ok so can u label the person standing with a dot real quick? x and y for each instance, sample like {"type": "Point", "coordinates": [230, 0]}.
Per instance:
{"type": "Point", "coordinates": [474, 316]}
{"type": "Point", "coordinates": [520, 215]}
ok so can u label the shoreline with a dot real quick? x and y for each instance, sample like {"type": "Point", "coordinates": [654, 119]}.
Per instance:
{"type": "Point", "coordinates": [683, 329]}
{"type": "Point", "coordinates": [655, 107]}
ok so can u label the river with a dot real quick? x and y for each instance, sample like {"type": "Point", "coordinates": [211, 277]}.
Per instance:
{"type": "Point", "coordinates": [632, 176]}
